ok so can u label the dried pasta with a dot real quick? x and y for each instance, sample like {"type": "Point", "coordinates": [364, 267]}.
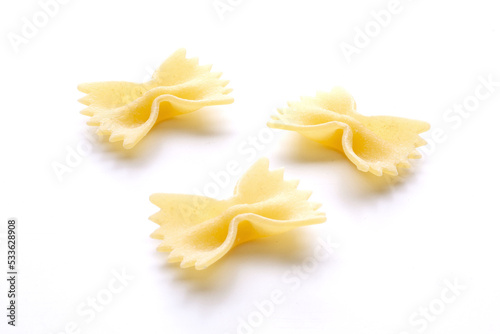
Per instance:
{"type": "Point", "coordinates": [198, 230]}
{"type": "Point", "coordinates": [376, 144]}
{"type": "Point", "coordinates": [127, 111]}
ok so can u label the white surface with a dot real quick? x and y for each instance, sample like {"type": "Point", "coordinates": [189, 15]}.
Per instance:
{"type": "Point", "coordinates": [398, 243]}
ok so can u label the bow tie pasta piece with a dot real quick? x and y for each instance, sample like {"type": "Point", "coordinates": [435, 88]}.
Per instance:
{"type": "Point", "coordinates": [127, 111]}
{"type": "Point", "coordinates": [198, 230]}
{"type": "Point", "coordinates": [376, 144]}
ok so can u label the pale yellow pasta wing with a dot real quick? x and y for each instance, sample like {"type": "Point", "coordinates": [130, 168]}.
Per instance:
{"type": "Point", "coordinates": [198, 231]}
{"type": "Point", "coordinates": [127, 111]}
{"type": "Point", "coordinates": [376, 144]}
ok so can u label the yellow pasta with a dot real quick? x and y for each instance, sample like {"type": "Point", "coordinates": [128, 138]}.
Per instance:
{"type": "Point", "coordinates": [376, 144]}
{"type": "Point", "coordinates": [198, 230]}
{"type": "Point", "coordinates": [127, 111]}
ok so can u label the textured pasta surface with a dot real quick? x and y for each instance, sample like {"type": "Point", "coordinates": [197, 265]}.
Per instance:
{"type": "Point", "coordinates": [376, 144]}
{"type": "Point", "coordinates": [127, 111]}
{"type": "Point", "coordinates": [198, 230]}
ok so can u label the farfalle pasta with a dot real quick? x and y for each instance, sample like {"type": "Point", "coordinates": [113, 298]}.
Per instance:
{"type": "Point", "coordinates": [198, 230]}
{"type": "Point", "coordinates": [376, 144]}
{"type": "Point", "coordinates": [127, 111]}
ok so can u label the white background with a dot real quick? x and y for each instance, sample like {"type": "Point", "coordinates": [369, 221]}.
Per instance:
{"type": "Point", "coordinates": [399, 241]}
